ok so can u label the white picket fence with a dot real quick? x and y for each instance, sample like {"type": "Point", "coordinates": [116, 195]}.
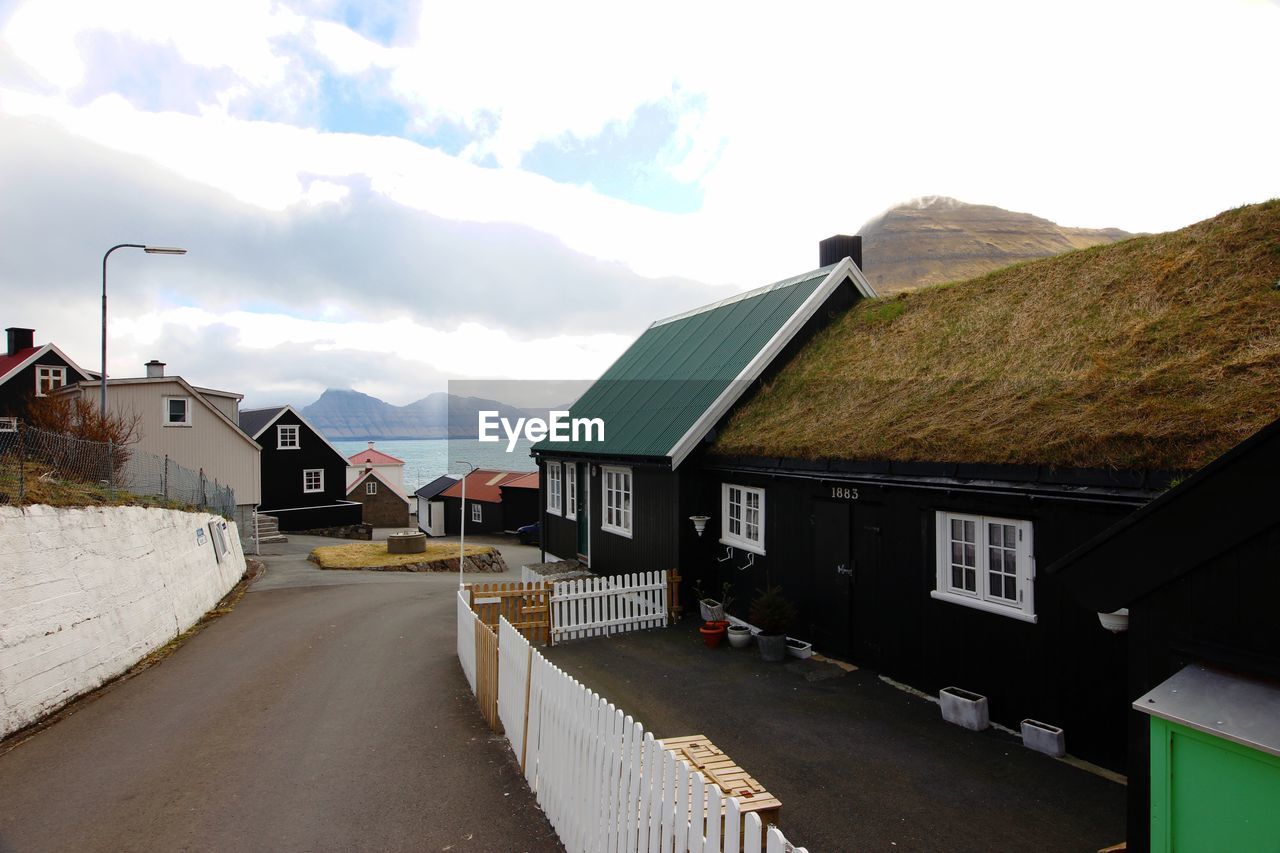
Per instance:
{"type": "Point", "coordinates": [467, 639]}
{"type": "Point", "coordinates": [604, 783]}
{"type": "Point", "coordinates": [594, 607]}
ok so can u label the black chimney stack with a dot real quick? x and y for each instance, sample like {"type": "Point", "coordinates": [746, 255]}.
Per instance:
{"type": "Point", "coordinates": [20, 339]}
{"type": "Point", "coordinates": [835, 249]}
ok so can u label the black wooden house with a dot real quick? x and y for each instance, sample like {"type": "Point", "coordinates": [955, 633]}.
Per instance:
{"type": "Point", "coordinates": [1197, 574]}
{"type": "Point", "coordinates": [304, 477]}
{"type": "Point", "coordinates": [621, 503]}
{"type": "Point", "coordinates": [902, 466]}
{"type": "Point", "coordinates": [29, 372]}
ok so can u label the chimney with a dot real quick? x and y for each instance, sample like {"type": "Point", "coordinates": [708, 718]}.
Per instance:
{"type": "Point", "coordinates": [155, 369]}
{"type": "Point", "coordinates": [20, 339]}
{"type": "Point", "coordinates": [835, 249]}
{"type": "Point", "coordinates": [371, 445]}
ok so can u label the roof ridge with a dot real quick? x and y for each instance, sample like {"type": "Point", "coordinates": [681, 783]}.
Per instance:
{"type": "Point", "coordinates": [746, 294]}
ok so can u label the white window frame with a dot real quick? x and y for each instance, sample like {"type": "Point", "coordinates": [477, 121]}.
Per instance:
{"type": "Point", "coordinates": [571, 490]}
{"type": "Point", "coordinates": [553, 488]}
{"type": "Point", "coordinates": [476, 514]}
{"type": "Point", "coordinates": [371, 487]}
{"type": "Point", "coordinates": [164, 411]}
{"type": "Point", "coordinates": [740, 538]}
{"type": "Point", "coordinates": [9, 423]}
{"type": "Point", "coordinates": [982, 598]}
{"type": "Point", "coordinates": [616, 514]}
{"type": "Point", "coordinates": [308, 490]}
{"type": "Point", "coordinates": [50, 373]}
{"type": "Point", "coordinates": [283, 430]}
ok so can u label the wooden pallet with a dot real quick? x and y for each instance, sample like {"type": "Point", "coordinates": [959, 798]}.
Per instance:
{"type": "Point", "coordinates": [719, 769]}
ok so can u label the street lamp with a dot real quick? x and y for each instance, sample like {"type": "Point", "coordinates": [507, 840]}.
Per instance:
{"type": "Point", "coordinates": [462, 529]}
{"type": "Point", "coordinates": [150, 250]}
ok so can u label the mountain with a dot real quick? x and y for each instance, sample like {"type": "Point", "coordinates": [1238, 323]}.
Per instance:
{"type": "Point", "coordinates": [936, 239]}
{"type": "Point", "coordinates": [345, 414]}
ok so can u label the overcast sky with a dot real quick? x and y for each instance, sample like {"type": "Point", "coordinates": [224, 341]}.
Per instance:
{"type": "Point", "coordinates": [385, 196]}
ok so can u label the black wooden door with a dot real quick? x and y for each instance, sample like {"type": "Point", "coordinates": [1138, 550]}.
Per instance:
{"type": "Point", "coordinates": [832, 579]}
{"type": "Point", "coordinates": [868, 568]}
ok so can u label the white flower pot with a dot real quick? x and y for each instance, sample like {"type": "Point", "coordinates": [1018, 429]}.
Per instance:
{"type": "Point", "coordinates": [964, 708]}
{"type": "Point", "coordinates": [1043, 737]}
{"type": "Point", "coordinates": [739, 636]}
{"type": "Point", "coordinates": [712, 610]}
{"type": "Point", "coordinates": [1116, 621]}
{"type": "Point", "coordinates": [799, 648]}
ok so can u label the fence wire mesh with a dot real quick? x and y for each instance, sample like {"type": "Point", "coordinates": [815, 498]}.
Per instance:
{"type": "Point", "coordinates": [39, 466]}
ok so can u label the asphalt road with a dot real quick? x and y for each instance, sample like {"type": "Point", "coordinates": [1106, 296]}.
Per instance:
{"type": "Point", "coordinates": [326, 712]}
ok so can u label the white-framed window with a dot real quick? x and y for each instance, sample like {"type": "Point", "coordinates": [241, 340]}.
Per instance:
{"type": "Point", "coordinates": [49, 378]}
{"type": "Point", "coordinates": [571, 490]}
{"type": "Point", "coordinates": [986, 563]}
{"type": "Point", "coordinates": [9, 423]}
{"type": "Point", "coordinates": [287, 437]}
{"type": "Point", "coordinates": [553, 488]}
{"type": "Point", "coordinates": [313, 480]}
{"type": "Point", "coordinates": [177, 411]}
{"type": "Point", "coordinates": [371, 487]}
{"type": "Point", "coordinates": [475, 513]}
{"type": "Point", "coordinates": [742, 517]}
{"type": "Point", "coordinates": [616, 500]}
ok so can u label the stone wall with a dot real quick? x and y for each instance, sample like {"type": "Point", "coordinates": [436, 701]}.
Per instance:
{"type": "Point", "coordinates": [86, 593]}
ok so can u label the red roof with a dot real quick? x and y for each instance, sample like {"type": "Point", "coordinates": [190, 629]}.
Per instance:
{"type": "Point", "coordinates": [527, 481]}
{"type": "Point", "coordinates": [373, 457]}
{"type": "Point", "coordinates": [483, 485]}
{"type": "Point", "coordinates": [9, 362]}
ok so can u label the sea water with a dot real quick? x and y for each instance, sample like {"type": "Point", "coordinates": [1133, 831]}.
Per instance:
{"type": "Point", "coordinates": [426, 459]}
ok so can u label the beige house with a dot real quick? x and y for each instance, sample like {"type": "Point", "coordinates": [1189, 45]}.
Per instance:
{"type": "Point", "coordinates": [197, 428]}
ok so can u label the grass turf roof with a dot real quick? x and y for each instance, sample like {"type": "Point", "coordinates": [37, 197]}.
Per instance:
{"type": "Point", "coordinates": [1160, 352]}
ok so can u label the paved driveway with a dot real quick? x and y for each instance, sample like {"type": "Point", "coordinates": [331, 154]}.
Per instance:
{"type": "Point", "coordinates": [857, 763]}
{"type": "Point", "coordinates": [326, 712]}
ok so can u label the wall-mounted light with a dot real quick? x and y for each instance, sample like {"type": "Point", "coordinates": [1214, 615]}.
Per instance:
{"type": "Point", "coordinates": [1115, 621]}
{"type": "Point", "coordinates": [699, 522]}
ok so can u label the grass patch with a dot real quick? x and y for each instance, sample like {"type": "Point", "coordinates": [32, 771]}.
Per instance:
{"type": "Point", "coordinates": [1159, 352]}
{"type": "Point", "coordinates": [41, 486]}
{"type": "Point", "coordinates": [365, 555]}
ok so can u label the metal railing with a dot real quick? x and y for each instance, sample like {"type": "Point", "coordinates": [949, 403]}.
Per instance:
{"type": "Point", "coordinates": [40, 466]}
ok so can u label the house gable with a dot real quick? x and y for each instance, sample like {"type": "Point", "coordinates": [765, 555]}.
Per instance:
{"type": "Point", "coordinates": [680, 377]}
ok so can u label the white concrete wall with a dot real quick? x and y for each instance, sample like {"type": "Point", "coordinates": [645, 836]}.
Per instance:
{"type": "Point", "coordinates": [86, 593]}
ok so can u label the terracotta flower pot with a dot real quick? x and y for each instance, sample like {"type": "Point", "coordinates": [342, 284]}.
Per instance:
{"type": "Point", "coordinates": [712, 634]}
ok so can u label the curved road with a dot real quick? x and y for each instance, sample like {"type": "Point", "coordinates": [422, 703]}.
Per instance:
{"type": "Point", "coordinates": [327, 711]}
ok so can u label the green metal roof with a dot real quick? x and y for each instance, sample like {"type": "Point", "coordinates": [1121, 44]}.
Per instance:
{"type": "Point", "coordinates": [675, 372]}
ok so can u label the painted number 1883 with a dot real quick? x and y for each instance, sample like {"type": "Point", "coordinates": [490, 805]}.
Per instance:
{"type": "Point", "coordinates": [844, 493]}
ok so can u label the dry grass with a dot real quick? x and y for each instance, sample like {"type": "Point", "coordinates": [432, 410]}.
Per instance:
{"type": "Point", "coordinates": [42, 486]}
{"type": "Point", "coordinates": [1159, 352]}
{"type": "Point", "coordinates": [366, 555]}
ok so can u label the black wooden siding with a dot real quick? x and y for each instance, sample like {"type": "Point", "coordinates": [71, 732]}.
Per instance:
{"type": "Point", "coordinates": [282, 479]}
{"type": "Point", "coordinates": [1063, 670]}
{"type": "Point", "coordinates": [491, 516]}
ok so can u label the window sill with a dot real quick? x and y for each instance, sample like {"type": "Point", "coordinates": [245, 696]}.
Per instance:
{"type": "Point", "coordinates": [183, 426]}
{"type": "Point", "coordinates": [571, 517]}
{"type": "Point", "coordinates": [288, 448]}
{"type": "Point", "coordinates": [616, 531]}
{"type": "Point", "coordinates": [979, 604]}
{"type": "Point", "coordinates": [554, 512]}
{"type": "Point", "coordinates": [743, 544]}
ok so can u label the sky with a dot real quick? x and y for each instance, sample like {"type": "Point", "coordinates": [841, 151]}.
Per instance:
{"type": "Point", "coordinates": [387, 196]}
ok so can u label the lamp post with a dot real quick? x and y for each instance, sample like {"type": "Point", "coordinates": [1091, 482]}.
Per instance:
{"type": "Point", "coordinates": [150, 250]}
{"type": "Point", "coordinates": [462, 528]}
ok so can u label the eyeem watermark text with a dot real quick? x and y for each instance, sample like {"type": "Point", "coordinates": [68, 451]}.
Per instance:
{"type": "Point", "coordinates": [560, 428]}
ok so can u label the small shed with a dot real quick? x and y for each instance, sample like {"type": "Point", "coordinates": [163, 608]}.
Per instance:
{"type": "Point", "coordinates": [1194, 576]}
{"type": "Point", "coordinates": [384, 504]}
{"type": "Point", "coordinates": [520, 505]}
{"type": "Point", "coordinates": [431, 507]}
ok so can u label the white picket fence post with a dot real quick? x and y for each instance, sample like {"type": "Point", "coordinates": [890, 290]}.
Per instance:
{"type": "Point", "coordinates": [593, 607]}
{"type": "Point", "coordinates": [605, 784]}
{"type": "Point", "coordinates": [467, 639]}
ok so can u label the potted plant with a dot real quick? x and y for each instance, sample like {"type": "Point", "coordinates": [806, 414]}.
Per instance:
{"type": "Point", "coordinates": [772, 614]}
{"type": "Point", "coordinates": [711, 610]}
{"type": "Point", "coordinates": [712, 633]}
{"type": "Point", "coordinates": [739, 636]}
